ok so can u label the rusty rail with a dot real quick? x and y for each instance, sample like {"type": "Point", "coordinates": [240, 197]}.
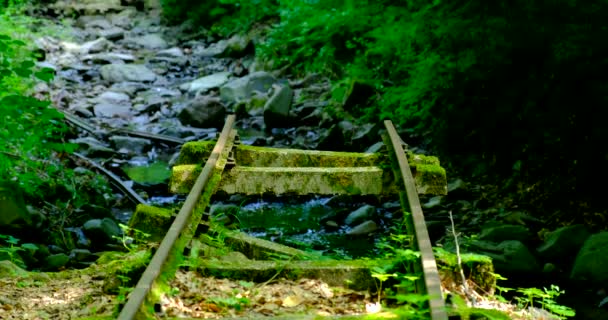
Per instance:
{"type": "Point", "coordinates": [135, 307]}
{"type": "Point", "coordinates": [432, 281]}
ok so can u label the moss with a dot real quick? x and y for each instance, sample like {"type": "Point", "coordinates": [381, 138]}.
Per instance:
{"type": "Point", "coordinates": [183, 178]}
{"type": "Point", "coordinates": [195, 152]}
{"type": "Point", "coordinates": [479, 268]}
{"type": "Point", "coordinates": [278, 157]}
{"type": "Point", "coordinates": [430, 179]}
{"type": "Point", "coordinates": [152, 220]}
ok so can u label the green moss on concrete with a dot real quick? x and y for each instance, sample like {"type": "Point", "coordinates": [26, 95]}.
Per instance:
{"type": "Point", "coordinates": [479, 268]}
{"type": "Point", "coordinates": [195, 152]}
{"type": "Point", "coordinates": [277, 157]}
{"type": "Point", "coordinates": [183, 178]}
{"type": "Point", "coordinates": [152, 220]}
{"type": "Point", "coordinates": [430, 179]}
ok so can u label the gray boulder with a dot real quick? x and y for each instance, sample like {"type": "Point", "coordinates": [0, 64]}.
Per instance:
{"type": "Point", "coordinates": [130, 145]}
{"type": "Point", "coordinates": [592, 260]}
{"type": "Point", "coordinates": [150, 41]}
{"type": "Point", "coordinates": [510, 256]}
{"type": "Point", "coordinates": [101, 231]}
{"type": "Point", "coordinates": [564, 242]}
{"type": "Point", "coordinates": [505, 232]}
{"type": "Point", "coordinates": [56, 261]}
{"type": "Point", "coordinates": [364, 228]}
{"type": "Point", "coordinates": [364, 213]}
{"type": "Point", "coordinates": [127, 72]}
{"type": "Point", "coordinates": [242, 88]}
{"type": "Point", "coordinates": [206, 83]}
{"type": "Point", "coordinates": [204, 112]}
{"type": "Point", "coordinates": [276, 109]}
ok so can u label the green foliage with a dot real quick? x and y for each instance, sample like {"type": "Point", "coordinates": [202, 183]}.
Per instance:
{"type": "Point", "coordinates": [547, 300]}
{"type": "Point", "coordinates": [11, 249]}
{"type": "Point", "coordinates": [222, 16]}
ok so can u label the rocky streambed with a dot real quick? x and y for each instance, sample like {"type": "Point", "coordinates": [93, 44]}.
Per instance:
{"type": "Point", "coordinates": [136, 89]}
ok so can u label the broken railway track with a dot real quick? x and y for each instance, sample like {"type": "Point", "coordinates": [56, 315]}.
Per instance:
{"type": "Point", "coordinates": [232, 168]}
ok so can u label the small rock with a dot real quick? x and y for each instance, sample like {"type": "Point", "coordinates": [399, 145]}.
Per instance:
{"type": "Point", "coordinates": [505, 232]}
{"type": "Point", "coordinates": [109, 57]}
{"type": "Point", "coordinates": [237, 46]}
{"type": "Point", "coordinates": [205, 112]}
{"type": "Point", "coordinates": [433, 202]}
{"type": "Point", "coordinates": [113, 34]}
{"type": "Point", "coordinates": [364, 228]}
{"type": "Point", "coordinates": [127, 72]}
{"type": "Point", "coordinates": [56, 261]}
{"type": "Point", "coordinates": [276, 110]}
{"type": "Point", "coordinates": [592, 259]}
{"type": "Point", "coordinates": [112, 97]}
{"type": "Point", "coordinates": [151, 41]}
{"type": "Point", "coordinates": [93, 147]}
{"type": "Point", "coordinates": [80, 255]}
{"type": "Point", "coordinates": [457, 186]}
{"type": "Point", "coordinates": [361, 214]}
{"type": "Point", "coordinates": [101, 230]}
{"type": "Point", "coordinates": [206, 83]}
{"type": "Point", "coordinates": [564, 242]}
{"type": "Point", "coordinates": [174, 52]}
{"type": "Point", "coordinates": [95, 46]}
{"type": "Point", "coordinates": [514, 256]}
{"type": "Point", "coordinates": [242, 88]}
{"type": "Point", "coordinates": [107, 110]}
{"type": "Point", "coordinates": [130, 144]}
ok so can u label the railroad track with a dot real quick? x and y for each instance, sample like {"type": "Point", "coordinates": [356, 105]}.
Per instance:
{"type": "Point", "coordinates": [154, 281]}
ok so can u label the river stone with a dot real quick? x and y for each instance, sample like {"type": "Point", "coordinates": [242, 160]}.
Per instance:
{"type": "Point", "coordinates": [361, 214]}
{"type": "Point", "coordinates": [126, 144]}
{"type": "Point", "coordinates": [152, 41]}
{"type": "Point", "coordinates": [56, 261]}
{"type": "Point", "coordinates": [95, 46]}
{"type": "Point", "coordinates": [106, 110]}
{"type": "Point", "coordinates": [206, 83]}
{"type": "Point", "coordinates": [592, 260]}
{"type": "Point", "coordinates": [276, 109]}
{"type": "Point", "coordinates": [113, 97]}
{"type": "Point", "coordinates": [242, 88]}
{"type": "Point", "coordinates": [101, 230]}
{"type": "Point", "coordinates": [505, 232]}
{"type": "Point", "coordinates": [513, 256]}
{"type": "Point", "coordinates": [203, 112]}
{"type": "Point", "coordinates": [237, 46]}
{"type": "Point", "coordinates": [80, 255]}
{"type": "Point", "coordinates": [109, 57]}
{"type": "Point", "coordinates": [564, 242]}
{"type": "Point", "coordinates": [174, 52]}
{"type": "Point", "coordinates": [127, 72]}
{"type": "Point", "coordinates": [113, 33]}
{"type": "Point", "coordinates": [364, 228]}
{"type": "Point", "coordinates": [93, 147]}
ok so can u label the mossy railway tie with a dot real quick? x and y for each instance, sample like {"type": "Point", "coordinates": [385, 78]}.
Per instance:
{"type": "Point", "coordinates": [234, 168]}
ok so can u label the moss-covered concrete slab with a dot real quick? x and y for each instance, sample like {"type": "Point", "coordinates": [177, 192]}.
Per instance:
{"type": "Point", "coordinates": [429, 176]}
{"type": "Point", "coordinates": [151, 220]}
{"type": "Point", "coordinates": [305, 180]}
{"type": "Point", "coordinates": [260, 249]}
{"type": "Point", "coordinates": [277, 157]}
{"type": "Point", "coordinates": [353, 274]}
{"type": "Point", "coordinates": [477, 268]}
{"type": "Point", "coordinates": [274, 170]}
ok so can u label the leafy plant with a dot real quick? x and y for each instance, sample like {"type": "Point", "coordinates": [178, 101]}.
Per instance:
{"type": "Point", "coordinates": [131, 237]}
{"type": "Point", "coordinates": [12, 249]}
{"type": "Point", "coordinates": [547, 300]}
